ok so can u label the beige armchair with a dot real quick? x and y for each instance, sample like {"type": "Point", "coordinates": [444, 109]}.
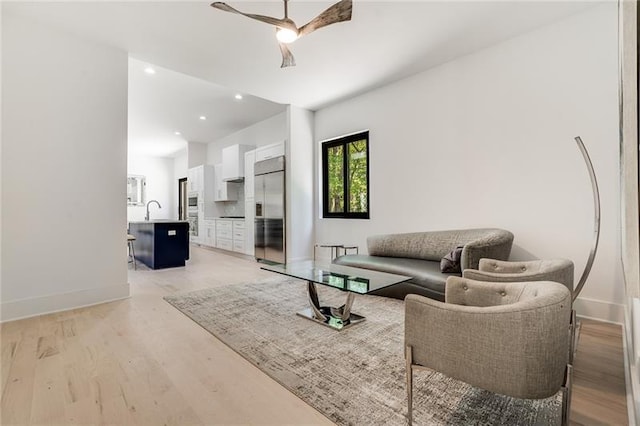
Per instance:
{"type": "Point", "coordinates": [507, 338]}
{"type": "Point", "coordinates": [557, 270]}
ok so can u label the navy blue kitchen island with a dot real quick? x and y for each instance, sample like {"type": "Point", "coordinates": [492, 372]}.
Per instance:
{"type": "Point", "coordinates": [161, 243]}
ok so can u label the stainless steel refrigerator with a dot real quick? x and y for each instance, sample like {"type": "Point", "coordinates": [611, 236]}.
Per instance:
{"type": "Point", "coordinates": [270, 210]}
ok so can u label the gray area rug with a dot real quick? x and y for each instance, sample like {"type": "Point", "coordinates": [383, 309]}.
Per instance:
{"type": "Point", "coordinates": [355, 376]}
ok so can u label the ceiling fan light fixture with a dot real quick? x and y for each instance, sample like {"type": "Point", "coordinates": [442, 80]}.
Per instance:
{"type": "Point", "coordinates": [285, 35]}
{"type": "Point", "coordinates": [287, 31]}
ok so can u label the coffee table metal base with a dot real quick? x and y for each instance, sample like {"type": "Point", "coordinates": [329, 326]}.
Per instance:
{"type": "Point", "coordinates": [336, 318]}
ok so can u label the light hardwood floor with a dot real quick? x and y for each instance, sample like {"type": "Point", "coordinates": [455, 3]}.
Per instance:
{"type": "Point", "coordinates": [140, 361]}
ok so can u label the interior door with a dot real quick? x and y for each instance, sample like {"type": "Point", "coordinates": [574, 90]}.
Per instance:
{"type": "Point", "coordinates": [182, 199]}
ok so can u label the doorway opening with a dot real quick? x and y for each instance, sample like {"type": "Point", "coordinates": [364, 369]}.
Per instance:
{"type": "Point", "coordinates": [182, 199]}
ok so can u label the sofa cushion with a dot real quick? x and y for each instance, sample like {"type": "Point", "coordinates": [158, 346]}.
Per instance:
{"type": "Point", "coordinates": [451, 262]}
{"type": "Point", "coordinates": [425, 273]}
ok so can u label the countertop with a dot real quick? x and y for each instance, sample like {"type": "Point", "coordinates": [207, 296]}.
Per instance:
{"type": "Point", "coordinates": [160, 221]}
{"type": "Point", "coordinates": [226, 217]}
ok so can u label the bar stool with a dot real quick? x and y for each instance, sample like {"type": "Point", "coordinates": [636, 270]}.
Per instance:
{"type": "Point", "coordinates": [132, 252]}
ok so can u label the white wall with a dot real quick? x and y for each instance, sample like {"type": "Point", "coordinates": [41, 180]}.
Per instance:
{"type": "Point", "coordinates": [265, 132]}
{"type": "Point", "coordinates": [486, 140]}
{"type": "Point", "coordinates": [299, 185]}
{"type": "Point", "coordinates": [64, 168]}
{"type": "Point", "coordinates": [1, 162]}
{"type": "Point", "coordinates": [159, 174]}
{"type": "Point", "coordinates": [196, 154]}
{"type": "Point", "coordinates": [271, 130]}
{"type": "Point", "coordinates": [629, 196]}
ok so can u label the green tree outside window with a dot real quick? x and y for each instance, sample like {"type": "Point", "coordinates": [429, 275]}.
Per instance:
{"type": "Point", "coordinates": [346, 177]}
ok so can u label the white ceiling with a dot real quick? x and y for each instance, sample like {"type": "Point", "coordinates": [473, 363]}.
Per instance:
{"type": "Point", "coordinates": [385, 41]}
{"type": "Point", "coordinates": [167, 102]}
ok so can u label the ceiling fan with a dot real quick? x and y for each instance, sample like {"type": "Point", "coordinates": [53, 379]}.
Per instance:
{"type": "Point", "coordinates": [286, 29]}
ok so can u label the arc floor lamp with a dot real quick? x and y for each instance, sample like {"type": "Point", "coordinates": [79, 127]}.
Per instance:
{"type": "Point", "coordinates": [596, 222]}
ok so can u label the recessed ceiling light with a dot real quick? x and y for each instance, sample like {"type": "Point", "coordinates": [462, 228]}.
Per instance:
{"type": "Point", "coordinates": [149, 70]}
{"type": "Point", "coordinates": [238, 96]}
{"type": "Point", "coordinates": [177, 133]}
{"type": "Point", "coordinates": [202, 117]}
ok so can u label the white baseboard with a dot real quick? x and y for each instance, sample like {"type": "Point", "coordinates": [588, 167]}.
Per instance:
{"type": "Point", "coordinates": [299, 259]}
{"type": "Point", "coordinates": [630, 371]}
{"type": "Point", "coordinates": [25, 308]}
{"type": "Point", "coordinates": [599, 310]}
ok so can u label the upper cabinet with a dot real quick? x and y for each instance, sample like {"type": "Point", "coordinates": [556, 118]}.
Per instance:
{"type": "Point", "coordinates": [233, 162]}
{"type": "Point", "coordinates": [224, 191]}
{"type": "Point", "coordinates": [192, 180]}
{"type": "Point", "coordinates": [269, 151]}
{"type": "Point", "coordinates": [195, 179]}
{"type": "Point", "coordinates": [201, 181]}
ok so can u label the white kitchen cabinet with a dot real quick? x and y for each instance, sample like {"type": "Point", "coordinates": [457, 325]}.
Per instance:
{"type": "Point", "coordinates": [195, 235]}
{"type": "Point", "coordinates": [224, 191]}
{"type": "Point", "coordinates": [249, 231]}
{"type": "Point", "coordinates": [224, 243]}
{"type": "Point", "coordinates": [192, 180]}
{"type": "Point", "coordinates": [209, 235]}
{"type": "Point", "coordinates": [249, 178]}
{"type": "Point", "coordinates": [229, 235]}
{"type": "Point", "coordinates": [201, 182]}
{"type": "Point", "coordinates": [224, 234]}
{"type": "Point", "coordinates": [238, 236]}
{"type": "Point", "coordinates": [238, 246]}
{"type": "Point", "coordinates": [195, 239]}
{"type": "Point", "coordinates": [269, 151]}
{"type": "Point", "coordinates": [238, 224]}
{"type": "Point", "coordinates": [233, 162]}
{"type": "Point", "coordinates": [224, 228]}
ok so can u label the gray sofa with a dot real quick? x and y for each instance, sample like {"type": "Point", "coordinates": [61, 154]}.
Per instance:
{"type": "Point", "coordinates": [418, 255]}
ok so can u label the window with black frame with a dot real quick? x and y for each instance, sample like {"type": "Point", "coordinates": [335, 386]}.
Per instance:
{"type": "Point", "coordinates": [345, 177]}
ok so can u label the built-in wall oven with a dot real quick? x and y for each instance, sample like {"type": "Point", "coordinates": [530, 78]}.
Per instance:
{"type": "Point", "coordinates": [192, 213]}
{"type": "Point", "coordinates": [193, 223]}
{"type": "Point", "coordinates": [192, 202]}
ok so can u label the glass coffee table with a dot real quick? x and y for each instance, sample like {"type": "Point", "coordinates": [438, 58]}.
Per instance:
{"type": "Point", "coordinates": [346, 278]}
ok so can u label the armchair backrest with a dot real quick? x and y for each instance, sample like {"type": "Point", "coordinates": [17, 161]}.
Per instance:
{"type": "Point", "coordinates": [458, 292]}
{"type": "Point", "coordinates": [434, 245]}
{"type": "Point", "coordinates": [557, 270]}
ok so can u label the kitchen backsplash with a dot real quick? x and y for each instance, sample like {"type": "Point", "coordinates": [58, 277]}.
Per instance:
{"type": "Point", "coordinates": [235, 208]}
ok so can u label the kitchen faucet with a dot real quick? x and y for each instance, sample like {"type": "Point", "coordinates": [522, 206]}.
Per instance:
{"type": "Point", "coordinates": [151, 201]}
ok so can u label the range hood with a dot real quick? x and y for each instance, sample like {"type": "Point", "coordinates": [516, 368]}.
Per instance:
{"type": "Point", "coordinates": [238, 179]}
{"type": "Point", "coordinates": [233, 162]}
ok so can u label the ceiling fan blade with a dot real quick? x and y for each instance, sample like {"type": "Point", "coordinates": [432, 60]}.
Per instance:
{"type": "Point", "coordinates": [287, 58]}
{"type": "Point", "coordinates": [339, 12]}
{"type": "Point", "coordinates": [282, 23]}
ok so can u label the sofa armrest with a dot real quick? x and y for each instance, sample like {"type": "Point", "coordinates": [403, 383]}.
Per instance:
{"type": "Point", "coordinates": [496, 245]}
